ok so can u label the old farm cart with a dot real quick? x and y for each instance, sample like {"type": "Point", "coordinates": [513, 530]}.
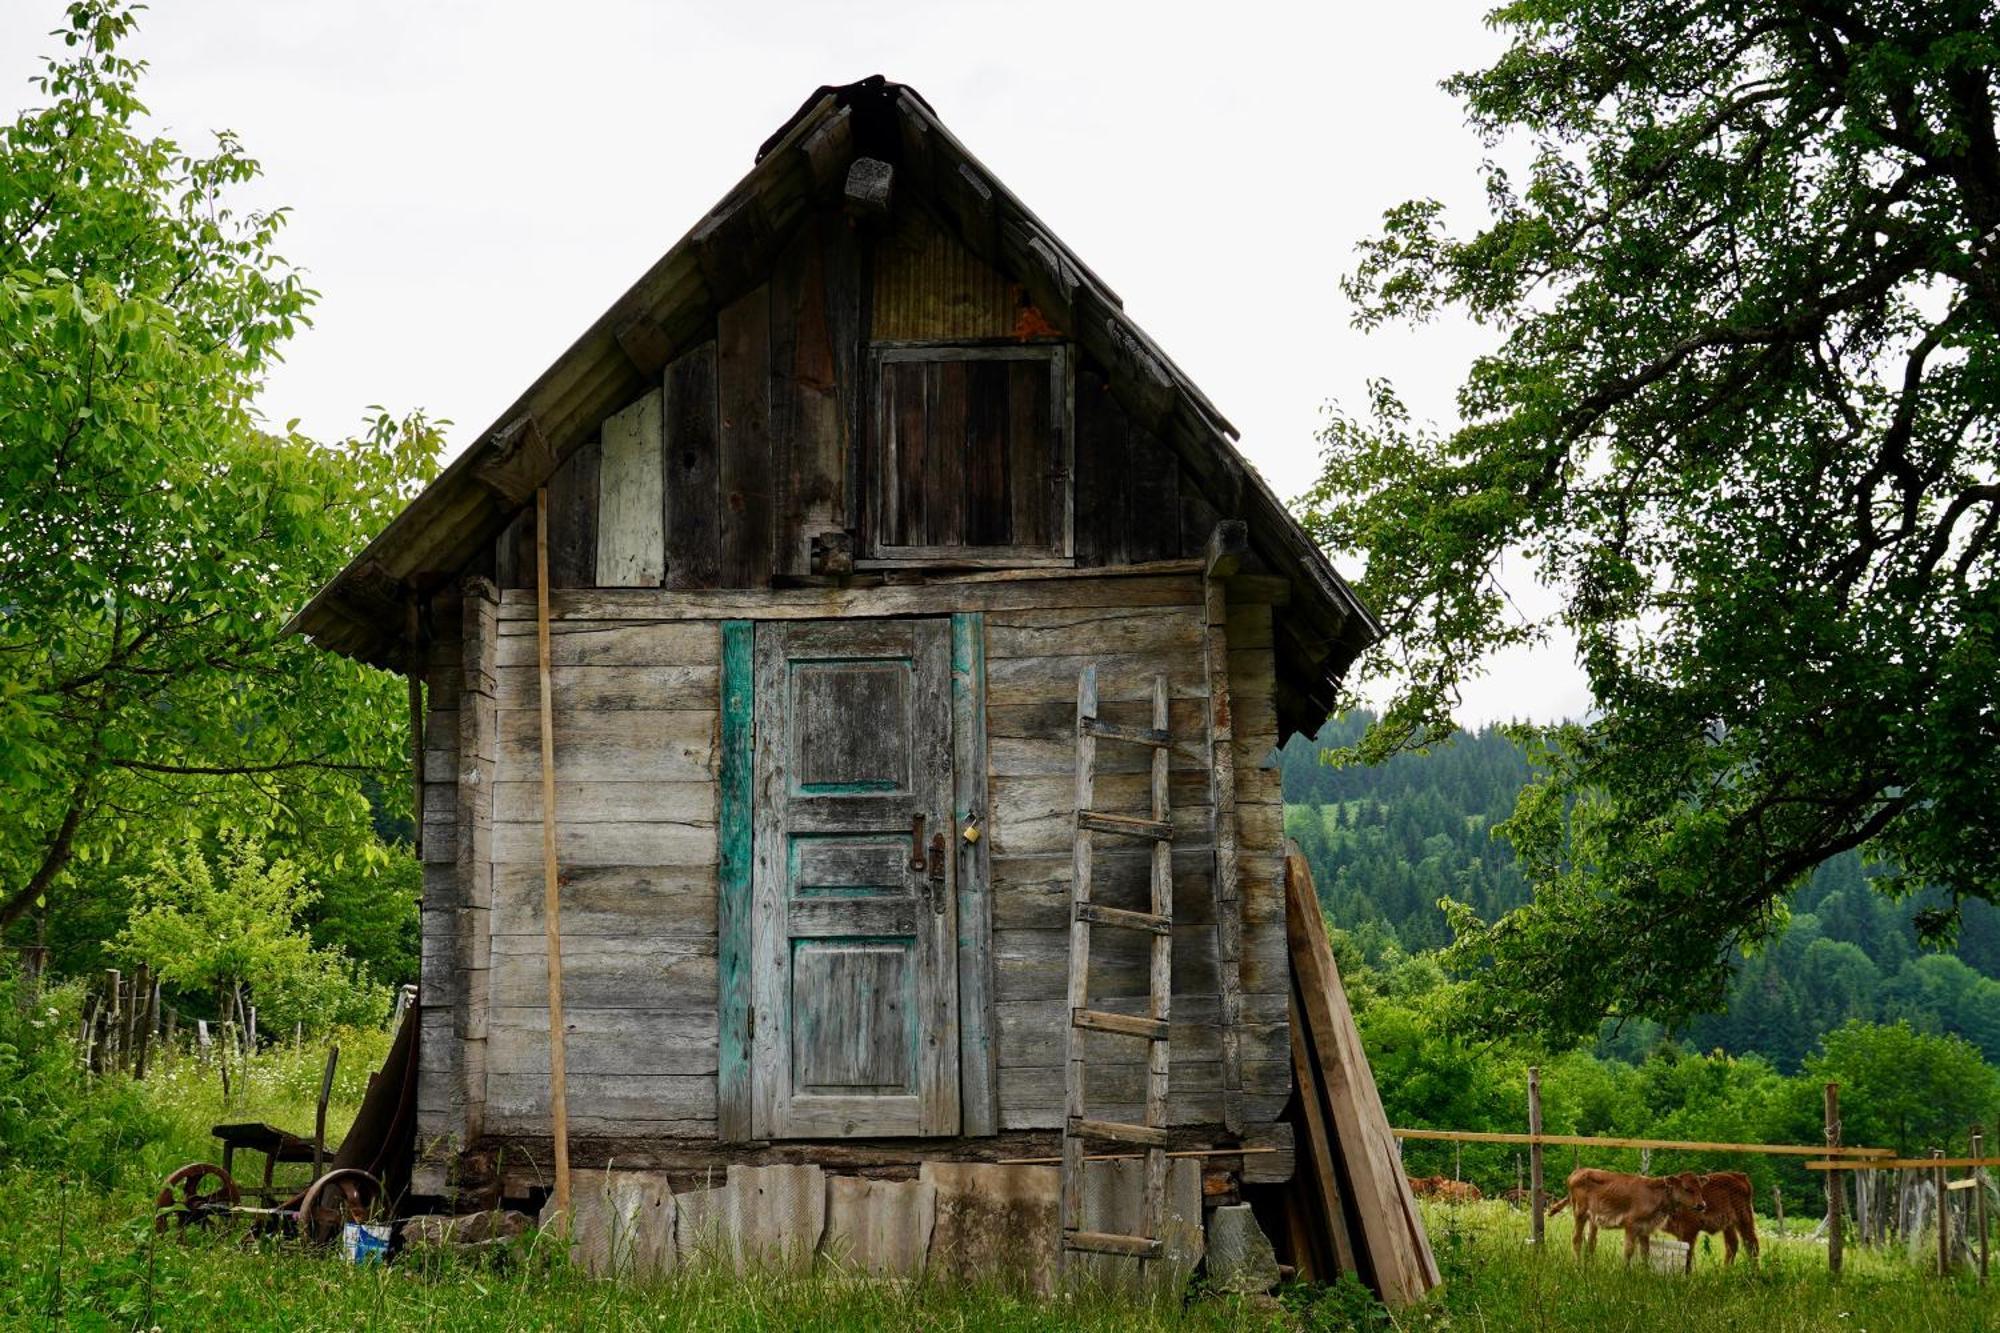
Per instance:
{"type": "Point", "coordinates": [839, 499]}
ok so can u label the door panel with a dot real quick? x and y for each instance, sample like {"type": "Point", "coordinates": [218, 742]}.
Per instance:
{"type": "Point", "coordinates": [854, 925]}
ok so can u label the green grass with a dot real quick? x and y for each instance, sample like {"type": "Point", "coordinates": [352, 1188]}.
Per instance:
{"type": "Point", "coordinates": [77, 1250]}
{"type": "Point", "coordinates": [1495, 1280]}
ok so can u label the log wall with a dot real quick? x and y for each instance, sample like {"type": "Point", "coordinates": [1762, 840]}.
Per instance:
{"type": "Point", "coordinates": [636, 678]}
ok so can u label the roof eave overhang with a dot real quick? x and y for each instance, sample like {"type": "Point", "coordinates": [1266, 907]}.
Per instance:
{"type": "Point", "coordinates": [442, 530]}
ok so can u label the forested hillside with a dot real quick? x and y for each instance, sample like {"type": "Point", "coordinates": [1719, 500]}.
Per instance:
{"type": "Point", "coordinates": [1387, 842]}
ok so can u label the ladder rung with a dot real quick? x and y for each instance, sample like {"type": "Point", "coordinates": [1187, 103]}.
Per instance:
{"type": "Point", "coordinates": [1099, 915]}
{"type": "Point", "coordinates": [1129, 1025]}
{"type": "Point", "coordinates": [1130, 825]}
{"type": "Point", "coordinates": [1106, 1242]}
{"type": "Point", "coordinates": [1144, 1136]}
{"type": "Point", "coordinates": [1112, 731]}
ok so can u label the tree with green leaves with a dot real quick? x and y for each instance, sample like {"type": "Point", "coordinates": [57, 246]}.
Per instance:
{"type": "Point", "coordinates": [155, 535]}
{"type": "Point", "coordinates": [231, 926]}
{"type": "Point", "coordinates": [1743, 267]}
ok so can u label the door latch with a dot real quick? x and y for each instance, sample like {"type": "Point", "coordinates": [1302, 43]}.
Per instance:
{"type": "Point", "coordinates": [935, 873]}
{"type": "Point", "coordinates": [917, 842]}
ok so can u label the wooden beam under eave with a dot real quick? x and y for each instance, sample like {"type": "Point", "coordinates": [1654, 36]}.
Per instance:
{"type": "Point", "coordinates": [1227, 545]}
{"type": "Point", "coordinates": [645, 344]}
{"type": "Point", "coordinates": [827, 149]}
{"type": "Point", "coordinates": [518, 459]}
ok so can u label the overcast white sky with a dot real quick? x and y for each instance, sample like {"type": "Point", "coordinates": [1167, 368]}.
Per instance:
{"type": "Point", "coordinates": [474, 182]}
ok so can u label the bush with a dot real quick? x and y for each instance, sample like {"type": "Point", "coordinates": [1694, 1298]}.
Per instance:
{"type": "Point", "coordinates": [53, 1115]}
{"type": "Point", "coordinates": [232, 926]}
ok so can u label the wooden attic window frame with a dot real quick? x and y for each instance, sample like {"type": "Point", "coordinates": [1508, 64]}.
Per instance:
{"type": "Point", "coordinates": [1060, 554]}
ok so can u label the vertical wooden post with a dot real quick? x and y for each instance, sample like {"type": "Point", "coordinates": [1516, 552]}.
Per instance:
{"type": "Point", "coordinates": [1778, 1202]}
{"type": "Point", "coordinates": [1979, 1198]}
{"type": "Point", "coordinates": [114, 1018]}
{"type": "Point", "coordinates": [1834, 1183]}
{"type": "Point", "coordinates": [145, 998]}
{"type": "Point", "coordinates": [1943, 1217]}
{"type": "Point", "coordinates": [413, 645]}
{"type": "Point", "coordinates": [1537, 1199]}
{"type": "Point", "coordinates": [551, 903]}
{"type": "Point", "coordinates": [319, 1111]}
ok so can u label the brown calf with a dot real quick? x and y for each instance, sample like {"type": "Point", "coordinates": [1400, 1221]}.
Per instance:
{"type": "Point", "coordinates": [1728, 1209]}
{"type": "Point", "coordinates": [1638, 1205]}
{"type": "Point", "coordinates": [1445, 1188]}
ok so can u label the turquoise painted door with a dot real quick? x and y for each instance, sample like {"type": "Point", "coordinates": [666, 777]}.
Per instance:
{"type": "Point", "coordinates": [854, 923]}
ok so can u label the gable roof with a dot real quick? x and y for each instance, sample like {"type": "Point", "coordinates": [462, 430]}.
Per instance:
{"type": "Point", "coordinates": [361, 612]}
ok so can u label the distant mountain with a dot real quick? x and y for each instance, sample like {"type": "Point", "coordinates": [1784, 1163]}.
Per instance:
{"type": "Point", "coordinates": [1385, 843]}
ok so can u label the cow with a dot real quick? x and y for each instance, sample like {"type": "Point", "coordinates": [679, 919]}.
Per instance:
{"type": "Point", "coordinates": [1727, 1199]}
{"type": "Point", "coordinates": [1445, 1188]}
{"type": "Point", "coordinates": [1639, 1205]}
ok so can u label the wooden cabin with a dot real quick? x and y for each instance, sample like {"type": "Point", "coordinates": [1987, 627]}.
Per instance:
{"type": "Point", "coordinates": [843, 498]}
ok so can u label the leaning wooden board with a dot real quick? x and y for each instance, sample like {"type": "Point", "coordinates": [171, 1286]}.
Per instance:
{"type": "Point", "coordinates": [1390, 1231]}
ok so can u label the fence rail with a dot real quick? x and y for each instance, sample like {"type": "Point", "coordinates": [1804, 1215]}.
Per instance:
{"type": "Point", "coordinates": [1867, 1156]}
{"type": "Point", "coordinates": [1902, 1163]}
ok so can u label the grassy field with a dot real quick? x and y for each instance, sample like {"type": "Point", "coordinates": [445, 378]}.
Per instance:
{"type": "Point", "coordinates": [77, 1250]}
{"type": "Point", "coordinates": [1494, 1280]}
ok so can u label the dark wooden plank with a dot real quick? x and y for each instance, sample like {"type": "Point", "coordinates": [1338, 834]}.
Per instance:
{"type": "Point", "coordinates": [1198, 516]}
{"type": "Point", "coordinates": [805, 403]}
{"type": "Point", "coordinates": [1030, 461]}
{"type": "Point", "coordinates": [1152, 498]}
{"type": "Point", "coordinates": [988, 511]}
{"type": "Point", "coordinates": [573, 520]}
{"type": "Point", "coordinates": [947, 429]}
{"type": "Point", "coordinates": [847, 254]}
{"type": "Point", "coordinates": [1101, 430]}
{"type": "Point", "coordinates": [903, 515]}
{"type": "Point", "coordinates": [514, 552]}
{"type": "Point", "coordinates": [743, 400]}
{"type": "Point", "coordinates": [691, 457]}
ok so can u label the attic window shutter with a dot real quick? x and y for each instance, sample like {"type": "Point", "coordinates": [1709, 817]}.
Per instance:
{"type": "Point", "coordinates": [972, 452]}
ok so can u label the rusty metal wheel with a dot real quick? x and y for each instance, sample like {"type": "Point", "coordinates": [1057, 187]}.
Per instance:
{"type": "Point", "coordinates": [336, 1198]}
{"type": "Point", "coordinates": [193, 1194]}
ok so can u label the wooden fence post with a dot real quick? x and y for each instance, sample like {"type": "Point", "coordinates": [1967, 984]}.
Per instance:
{"type": "Point", "coordinates": [1778, 1199]}
{"type": "Point", "coordinates": [114, 1020]}
{"type": "Point", "coordinates": [1834, 1184]}
{"type": "Point", "coordinates": [1537, 1201]}
{"type": "Point", "coordinates": [1979, 1198]}
{"type": "Point", "coordinates": [1943, 1217]}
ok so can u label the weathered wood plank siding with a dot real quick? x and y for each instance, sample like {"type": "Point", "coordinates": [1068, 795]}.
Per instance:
{"type": "Point", "coordinates": [637, 708]}
{"type": "Point", "coordinates": [1260, 822]}
{"type": "Point", "coordinates": [1033, 659]}
{"type": "Point", "coordinates": [641, 741]}
{"type": "Point", "coordinates": [440, 1125]}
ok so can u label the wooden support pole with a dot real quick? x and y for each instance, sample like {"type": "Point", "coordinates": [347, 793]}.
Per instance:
{"type": "Point", "coordinates": [1979, 1199]}
{"type": "Point", "coordinates": [551, 902]}
{"type": "Point", "coordinates": [1537, 1198]}
{"type": "Point", "coordinates": [413, 645]}
{"type": "Point", "coordinates": [1778, 1203]}
{"type": "Point", "coordinates": [1834, 1184]}
{"type": "Point", "coordinates": [1943, 1216]}
{"type": "Point", "coordinates": [319, 1111]}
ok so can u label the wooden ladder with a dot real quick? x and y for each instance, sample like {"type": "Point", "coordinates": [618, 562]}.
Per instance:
{"type": "Point", "coordinates": [1151, 1028]}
